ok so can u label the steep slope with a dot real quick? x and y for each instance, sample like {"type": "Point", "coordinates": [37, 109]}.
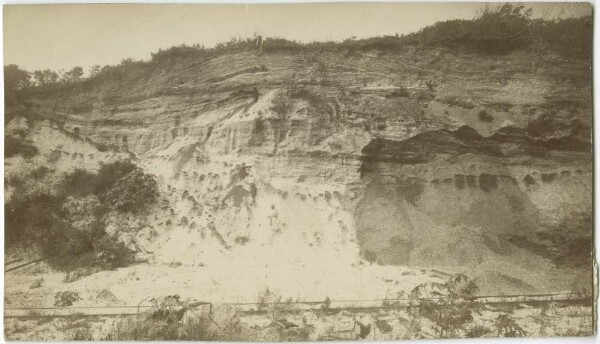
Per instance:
{"type": "Point", "coordinates": [503, 203]}
{"type": "Point", "coordinates": [286, 160]}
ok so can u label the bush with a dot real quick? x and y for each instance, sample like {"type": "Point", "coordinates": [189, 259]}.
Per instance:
{"type": "Point", "coordinates": [450, 306]}
{"type": "Point", "coordinates": [30, 218]}
{"type": "Point", "coordinates": [132, 193]}
{"type": "Point", "coordinates": [502, 28]}
{"type": "Point", "coordinates": [164, 321]}
{"type": "Point", "coordinates": [66, 222]}
{"type": "Point", "coordinates": [80, 183]}
{"type": "Point", "coordinates": [66, 298]}
{"type": "Point", "coordinates": [478, 331]}
{"type": "Point", "coordinates": [66, 248]}
{"type": "Point", "coordinates": [505, 27]}
{"type": "Point", "coordinates": [110, 173]}
{"type": "Point", "coordinates": [506, 326]}
{"type": "Point", "coordinates": [112, 254]}
{"type": "Point", "coordinates": [14, 146]}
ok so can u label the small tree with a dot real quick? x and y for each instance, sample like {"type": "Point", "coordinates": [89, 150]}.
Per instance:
{"type": "Point", "coordinates": [16, 83]}
{"type": "Point", "coordinates": [501, 28]}
{"type": "Point", "coordinates": [45, 77]}
{"type": "Point", "coordinates": [95, 70]}
{"type": "Point", "coordinates": [74, 75]}
{"type": "Point", "coordinates": [449, 305]}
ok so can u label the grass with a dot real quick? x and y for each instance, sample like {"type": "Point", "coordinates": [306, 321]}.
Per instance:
{"type": "Point", "coordinates": [562, 319]}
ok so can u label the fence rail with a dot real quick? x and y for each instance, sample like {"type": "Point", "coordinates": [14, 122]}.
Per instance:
{"type": "Point", "coordinates": [243, 307]}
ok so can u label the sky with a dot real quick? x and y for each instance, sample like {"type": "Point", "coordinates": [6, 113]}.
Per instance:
{"type": "Point", "coordinates": [63, 36]}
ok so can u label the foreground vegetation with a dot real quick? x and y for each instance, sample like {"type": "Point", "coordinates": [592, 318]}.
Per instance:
{"type": "Point", "coordinates": [64, 216]}
{"type": "Point", "coordinates": [434, 310]}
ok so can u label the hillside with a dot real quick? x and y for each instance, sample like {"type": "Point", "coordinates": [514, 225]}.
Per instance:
{"type": "Point", "coordinates": [382, 164]}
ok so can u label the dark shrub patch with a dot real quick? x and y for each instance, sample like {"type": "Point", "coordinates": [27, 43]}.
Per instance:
{"type": "Point", "coordinates": [66, 248]}
{"type": "Point", "coordinates": [132, 193]}
{"type": "Point", "coordinates": [111, 254]}
{"type": "Point", "coordinates": [15, 146]}
{"type": "Point", "coordinates": [39, 172]}
{"type": "Point", "coordinates": [80, 183]}
{"type": "Point", "coordinates": [110, 173]}
{"type": "Point", "coordinates": [66, 222]}
{"type": "Point", "coordinates": [30, 219]}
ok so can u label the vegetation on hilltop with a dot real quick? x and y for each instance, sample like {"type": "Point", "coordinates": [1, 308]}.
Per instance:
{"type": "Point", "coordinates": [496, 30]}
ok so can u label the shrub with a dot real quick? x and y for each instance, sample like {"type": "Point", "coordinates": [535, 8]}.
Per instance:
{"type": "Point", "coordinates": [66, 248]}
{"type": "Point", "coordinates": [110, 173]}
{"type": "Point", "coordinates": [165, 321]}
{"type": "Point", "coordinates": [29, 218]}
{"type": "Point", "coordinates": [449, 306]}
{"type": "Point", "coordinates": [111, 254]}
{"type": "Point", "coordinates": [132, 193]}
{"type": "Point", "coordinates": [80, 183]}
{"type": "Point", "coordinates": [66, 298]}
{"type": "Point", "coordinates": [66, 222]}
{"type": "Point", "coordinates": [478, 331]}
{"type": "Point", "coordinates": [14, 146]}
{"type": "Point", "coordinates": [501, 29]}
{"type": "Point", "coordinates": [506, 326]}
{"type": "Point", "coordinates": [39, 172]}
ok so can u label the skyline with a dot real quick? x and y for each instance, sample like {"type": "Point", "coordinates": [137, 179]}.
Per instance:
{"type": "Point", "coordinates": [60, 37]}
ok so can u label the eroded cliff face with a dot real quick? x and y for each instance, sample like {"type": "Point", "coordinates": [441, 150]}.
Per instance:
{"type": "Point", "coordinates": [506, 203]}
{"type": "Point", "coordinates": [282, 157]}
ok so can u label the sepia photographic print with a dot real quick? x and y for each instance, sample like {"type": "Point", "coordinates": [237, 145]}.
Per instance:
{"type": "Point", "coordinates": [298, 172]}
